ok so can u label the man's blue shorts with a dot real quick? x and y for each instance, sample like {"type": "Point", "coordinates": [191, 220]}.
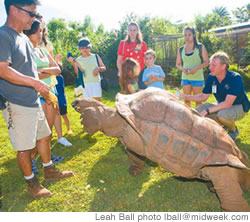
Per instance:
{"type": "Point", "coordinates": [185, 82]}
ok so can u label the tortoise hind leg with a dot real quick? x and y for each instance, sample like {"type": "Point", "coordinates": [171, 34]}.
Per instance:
{"type": "Point", "coordinates": [227, 186]}
{"type": "Point", "coordinates": [136, 163]}
{"type": "Point", "coordinates": [244, 178]}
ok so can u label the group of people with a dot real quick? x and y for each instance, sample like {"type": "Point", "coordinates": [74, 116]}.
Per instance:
{"type": "Point", "coordinates": [132, 55]}
{"type": "Point", "coordinates": [226, 86]}
{"type": "Point", "coordinates": [27, 80]}
{"type": "Point", "coordinates": [30, 83]}
{"type": "Point", "coordinates": [49, 72]}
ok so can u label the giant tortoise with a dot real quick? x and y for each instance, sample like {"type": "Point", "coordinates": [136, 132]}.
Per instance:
{"type": "Point", "coordinates": [153, 123]}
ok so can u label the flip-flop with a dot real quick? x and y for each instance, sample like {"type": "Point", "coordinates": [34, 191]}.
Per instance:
{"type": "Point", "coordinates": [56, 159]}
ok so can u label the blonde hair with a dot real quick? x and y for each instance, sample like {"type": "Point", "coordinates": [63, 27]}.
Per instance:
{"type": "Point", "coordinates": [223, 57]}
{"type": "Point", "coordinates": [130, 70]}
{"type": "Point", "coordinates": [150, 52]}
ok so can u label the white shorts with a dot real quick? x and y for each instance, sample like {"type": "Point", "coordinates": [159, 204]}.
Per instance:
{"type": "Point", "coordinates": [92, 90]}
{"type": "Point", "coordinates": [29, 124]}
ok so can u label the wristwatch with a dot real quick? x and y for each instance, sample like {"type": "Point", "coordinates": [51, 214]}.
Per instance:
{"type": "Point", "coordinates": [207, 110]}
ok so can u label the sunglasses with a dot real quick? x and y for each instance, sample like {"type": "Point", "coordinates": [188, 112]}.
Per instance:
{"type": "Point", "coordinates": [31, 14]}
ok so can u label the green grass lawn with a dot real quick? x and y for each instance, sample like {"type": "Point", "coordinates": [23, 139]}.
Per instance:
{"type": "Point", "coordinates": [102, 181]}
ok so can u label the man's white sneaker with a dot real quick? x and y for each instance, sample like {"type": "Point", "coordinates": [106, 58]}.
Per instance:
{"type": "Point", "coordinates": [64, 141]}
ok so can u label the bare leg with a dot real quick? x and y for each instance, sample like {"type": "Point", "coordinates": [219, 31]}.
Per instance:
{"type": "Point", "coordinates": [43, 147]}
{"type": "Point", "coordinates": [58, 125]}
{"type": "Point", "coordinates": [24, 162]}
{"type": "Point", "coordinates": [197, 90]}
{"type": "Point", "coordinates": [136, 163]}
{"type": "Point", "coordinates": [33, 153]}
{"type": "Point", "coordinates": [66, 120]}
{"type": "Point", "coordinates": [227, 186]}
{"type": "Point", "coordinates": [187, 89]}
{"type": "Point", "coordinates": [50, 113]}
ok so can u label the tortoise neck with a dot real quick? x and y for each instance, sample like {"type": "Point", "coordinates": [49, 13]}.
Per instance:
{"type": "Point", "coordinates": [113, 125]}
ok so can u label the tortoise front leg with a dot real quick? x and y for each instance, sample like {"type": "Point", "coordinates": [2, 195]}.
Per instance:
{"type": "Point", "coordinates": [227, 186]}
{"type": "Point", "coordinates": [136, 163]}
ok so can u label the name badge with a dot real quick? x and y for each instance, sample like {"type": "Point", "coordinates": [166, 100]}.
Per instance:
{"type": "Point", "coordinates": [214, 89]}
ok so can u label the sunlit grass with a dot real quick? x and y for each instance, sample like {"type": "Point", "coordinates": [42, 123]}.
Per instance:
{"type": "Point", "coordinates": [102, 181]}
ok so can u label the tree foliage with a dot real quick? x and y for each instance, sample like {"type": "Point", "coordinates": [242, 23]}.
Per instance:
{"type": "Point", "coordinates": [242, 14]}
{"type": "Point", "coordinates": [65, 35]}
{"type": "Point", "coordinates": [222, 12]}
{"type": "Point", "coordinates": [213, 20]}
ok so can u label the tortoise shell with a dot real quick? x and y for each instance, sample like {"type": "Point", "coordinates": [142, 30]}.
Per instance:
{"type": "Point", "coordinates": [175, 136]}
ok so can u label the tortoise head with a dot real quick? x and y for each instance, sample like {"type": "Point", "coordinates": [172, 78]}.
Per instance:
{"type": "Point", "coordinates": [81, 104]}
{"type": "Point", "coordinates": [90, 114]}
{"type": "Point", "coordinates": [96, 116]}
{"type": "Point", "coordinates": [104, 119]}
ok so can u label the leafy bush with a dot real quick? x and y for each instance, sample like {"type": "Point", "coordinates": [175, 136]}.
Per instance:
{"type": "Point", "coordinates": [246, 54]}
{"type": "Point", "coordinates": [173, 78]}
{"type": "Point", "coordinates": [214, 44]}
{"type": "Point", "coordinates": [248, 68]}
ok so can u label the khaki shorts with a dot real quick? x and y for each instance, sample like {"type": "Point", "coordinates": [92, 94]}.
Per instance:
{"type": "Point", "coordinates": [30, 125]}
{"type": "Point", "coordinates": [234, 113]}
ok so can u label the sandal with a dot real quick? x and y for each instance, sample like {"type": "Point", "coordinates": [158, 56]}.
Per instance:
{"type": "Point", "coordinates": [70, 133]}
{"type": "Point", "coordinates": [56, 159]}
{"type": "Point", "coordinates": [34, 167]}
